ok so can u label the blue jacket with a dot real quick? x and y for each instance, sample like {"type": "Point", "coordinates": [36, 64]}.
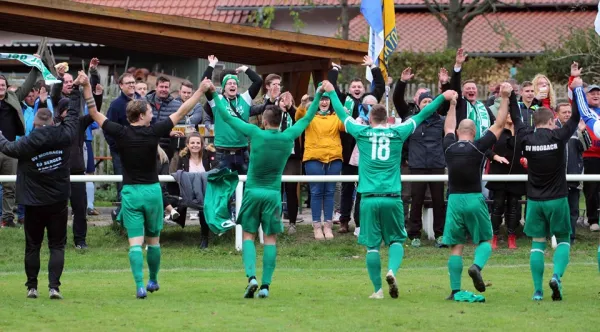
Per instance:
{"type": "Point", "coordinates": [116, 113]}
{"type": "Point", "coordinates": [29, 114]}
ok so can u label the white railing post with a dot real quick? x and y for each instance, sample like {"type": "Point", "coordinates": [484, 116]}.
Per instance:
{"type": "Point", "coordinates": [239, 195]}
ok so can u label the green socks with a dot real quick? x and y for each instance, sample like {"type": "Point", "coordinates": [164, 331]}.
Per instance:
{"type": "Point", "coordinates": [561, 256]}
{"type": "Point", "coordinates": [455, 267]}
{"type": "Point", "coordinates": [536, 263]}
{"type": "Point", "coordinates": [396, 254]}
{"type": "Point", "coordinates": [269, 259]}
{"type": "Point", "coordinates": [136, 260]}
{"type": "Point", "coordinates": [374, 267]}
{"type": "Point", "coordinates": [153, 259]}
{"type": "Point", "coordinates": [482, 254]}
{"type": "Point", "coordinates": [249, 258]}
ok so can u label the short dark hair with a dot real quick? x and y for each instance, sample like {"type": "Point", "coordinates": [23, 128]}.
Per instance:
{"type": "Point", "coordinates": [187, 84]}
{"type": "Point", "coordinates": [270, 78]}
{"type": "Point", "coordinates": [378, 114]}
{"type": "Point", "coordinates": [135, 108]}
{"type": "Point", "coordinates": [356, 79]}
{"type": "Point", "coordinates": [272, 115]}
{"type": "Point", "coordinates": [122, 77]}
{"type": "Point", "coordinates": [559, 105]}
{"type": "Point", "coordinates": [224, 73]}
{"type": "Point", "coordinates": [542, 115]}
{"type": "Point", "coordinates": [2, 77]}
{"type": "Point", "coordinates": [43, 116]}
{"type": "Point", "coordinates": [163, 79]}
{"type": "Point", "coordinates": [526, 84]}
{"type": "Point", "coordinates": [469, 81]}
{"type": "Point", "coordinates": [39, 84]}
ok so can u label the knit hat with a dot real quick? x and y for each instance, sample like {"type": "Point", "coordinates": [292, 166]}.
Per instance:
{"type": "Point", "coordinates": [63, 104]}
{"type": "Point", "coordinates": [424, 95]}
{"type": "Point", "coordinates": [229, 77]}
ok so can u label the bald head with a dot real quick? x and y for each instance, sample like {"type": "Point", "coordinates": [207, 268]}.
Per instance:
{"type": "Point", "coordinates": [466, 129]}
{"type": "Point", "coordinates": [370, 100]}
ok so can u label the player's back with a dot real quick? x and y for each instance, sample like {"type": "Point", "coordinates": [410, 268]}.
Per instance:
{"type": "Point", "coordinates": [380, 151]}
{"type": "Point", "coordinates": [269, 152]}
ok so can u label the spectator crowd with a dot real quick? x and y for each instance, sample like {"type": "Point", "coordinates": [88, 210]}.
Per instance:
{"type": "Point", "coordinates": [324, 148]}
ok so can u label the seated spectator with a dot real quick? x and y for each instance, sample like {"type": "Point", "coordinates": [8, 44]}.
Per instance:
{"type": "Point", "coordinates": [322, 156]}
{"type": "Point", "coordinates": [193, 158]}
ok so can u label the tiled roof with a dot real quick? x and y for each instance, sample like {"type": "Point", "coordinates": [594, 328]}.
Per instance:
{"type": "Point", "coordinates": [530, 29]}
{"type": "Point", "coordinates": [223, 4]}
{"type": "Point", "coordinates": [199, 9]}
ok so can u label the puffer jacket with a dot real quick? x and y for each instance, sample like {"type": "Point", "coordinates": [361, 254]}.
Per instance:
{"type": "Point", "coordinates": [322, 137]}
{"type": "Point", "coordinates": [161, 110]}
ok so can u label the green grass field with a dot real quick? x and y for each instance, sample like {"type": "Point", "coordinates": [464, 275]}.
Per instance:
{"type": "Point", "coordinates": [317, 286]}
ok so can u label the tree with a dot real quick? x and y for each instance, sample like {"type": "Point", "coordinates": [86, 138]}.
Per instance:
{"type": "Point", "coordinates": [455, 15]}
{"type": "Point", "coordinates": [345, 20]}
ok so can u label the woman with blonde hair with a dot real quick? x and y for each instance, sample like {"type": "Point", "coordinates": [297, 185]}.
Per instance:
{"type": "Point", "coordinates": [544, 92]}
{"type": "Point", "coordinates": [194, 158]}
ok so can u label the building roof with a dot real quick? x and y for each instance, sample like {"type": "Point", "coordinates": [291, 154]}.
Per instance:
{"type": "Point", "coordinates": [200, 9]}
{"type": "Point", "coordinates": [250, 4]}
{"type": "Point", "coordinates": [422, 32]}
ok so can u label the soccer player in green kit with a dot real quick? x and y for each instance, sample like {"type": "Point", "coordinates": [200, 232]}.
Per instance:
{"type": "Point", "coordinates": [381, 209]}
{"type": "Point", "coordinates": [261, 204]}
{"type": "Point", "coordinates": [467, 211]}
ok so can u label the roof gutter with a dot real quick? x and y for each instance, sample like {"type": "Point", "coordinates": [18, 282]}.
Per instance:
{"type": "Point", "coordinates": [504, 54]}
{"type": "Point", "coordinates": [308, 7]}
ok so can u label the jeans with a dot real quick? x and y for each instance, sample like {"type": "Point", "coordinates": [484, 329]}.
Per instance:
{"type": "Point", "coordinates": [574, 207]}
{"type": "Point", "coordinates": [79, 207]}
{"type": "Point", "coordinates": [52, 218]}
{"type": "Point", "coordinates": [321, 193]}
{"type": "Point", "coordinates": [234, 160]}
{"type": "Point", "coordinates": [90, 168]}
{"type": "Point", "coordinates": [117, 170]}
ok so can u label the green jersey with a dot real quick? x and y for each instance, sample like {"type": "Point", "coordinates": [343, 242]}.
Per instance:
{"type": "Point", "coordinates": [225, 135]}
{"type": "Point", "coordinates": [271, 148]}
{"type": "Point", "coordinates": [380, 148]}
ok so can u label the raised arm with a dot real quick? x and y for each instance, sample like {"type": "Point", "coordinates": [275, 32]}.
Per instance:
{"type": "Point", "coordinates": [257, 81]}
{"type": "Point", "coordinates": [450, 123]}
{"type": "Point", "coordinates": [498, 126]}
{"type": "Point", "coordinates": [332, 76]}
{"type": "Point", "coordinates": [219, 106]}
{"type": "Point", "coordinates": [378, 83]}
{"type": "Point", "coordinates": [432, 107]}
{"type": "Point", "coordinates": [208, 73]}
{"type": "Point", "coordinates": [590, 117]}
{"type": "Point", "coordinates": [399, 91]}
{"type": "Point", "coordinates": [335, 103]}
{"type": "Point", "coordinates": [515, 115]}
{"type": "Point", "coordinates": [91, 104]}
{"type": "Point", "coordinates": [569, 128]}
{"type": "Point", "coordinates": [298, 128]}
{"type": "Point", "coordinates": [27, 86]}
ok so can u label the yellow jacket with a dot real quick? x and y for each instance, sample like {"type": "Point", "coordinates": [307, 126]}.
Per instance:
{"type": "Point", "coordinates": [322, 137]}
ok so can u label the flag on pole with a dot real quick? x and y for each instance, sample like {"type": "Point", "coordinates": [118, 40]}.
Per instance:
{"type": "Point", "coordinates": [383, 38]}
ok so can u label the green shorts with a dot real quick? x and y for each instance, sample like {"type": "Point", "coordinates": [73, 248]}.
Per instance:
{"type": "Point", "coordinates": [467, 214]}
{"type": "Point", "coordinates": [142, 211]}
{"type": "Point", "coordinates": [546, 218]}
{"type": "Point", "coordinates": [261, 207]}
{"type": "Point", "coordinates": [381, 218]}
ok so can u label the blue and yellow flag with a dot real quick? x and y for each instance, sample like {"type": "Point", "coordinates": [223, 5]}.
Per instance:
{"type": "Point", "coordinates": [383, 38]}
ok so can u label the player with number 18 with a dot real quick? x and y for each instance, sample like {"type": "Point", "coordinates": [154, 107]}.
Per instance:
{"type": "Point", "coordinates": [381, 209]}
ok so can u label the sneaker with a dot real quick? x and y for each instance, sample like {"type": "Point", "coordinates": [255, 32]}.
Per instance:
{"type": "Point", "coordinates": [141, 293]}
{"type": "Point", "coordinates": [556, 287]}
{"type": "Point", "coordinates": [291, 229]}
{"type": "Point", "coordinates": [538, 296]}
{"type": "Point", "coordinates": [356, 231]}
{"type": "Point", "coordinates": [81, 246]}
{"type": "Point", "coordinates": [203, 242]}
{"type": "Point", "coordinates": [336, 216]}
{"type": "Point", "coordinates": [512, 241]}
{"type": "Point", "coordinates": [194, 216]}
{"type": "Point", "coordinates": [32, 293]}
{"type": "Point", "coordinates": [495, 242]}
{"type": "Point", "coordinates": [391, 280]}
{"type": "Point", "coordinates": [174, 214]}
{"type": "Point", "coordinates": [152, 286]}
{"type": "Point", "coordinates": [55, 294]}
{"type": "Point", "coordinates": [250, 289]}
{"type": "Point", "coordinates": [378, 295]}
{"type": "Point", "coordinates": [416, 242]}
{"type": "Point", "coordinates": [594, 228]}
{"type": "Point", "coordinates": [439, 242]}
{"type": "Point", "coordinates": [93, 212]}
{"type": "Point", "coordinates": [113, 215]}
{"type": "Point", "coordinates": [475, 274]}
{"type": "Point", "coordinates": [8, 224]}
{"type": "Point", "coordinates": [263, 293]}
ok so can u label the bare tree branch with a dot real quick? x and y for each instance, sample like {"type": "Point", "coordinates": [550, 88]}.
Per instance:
{"type": "Point", "coordinates": [486, 7]}
{"type": "Point", "coordinates": [437, 10]}
{"type": "Point", "coordinates": [499, 28]}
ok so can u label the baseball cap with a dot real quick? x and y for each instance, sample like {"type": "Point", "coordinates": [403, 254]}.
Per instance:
{"type": "Point", "coordinates": [593, 87]}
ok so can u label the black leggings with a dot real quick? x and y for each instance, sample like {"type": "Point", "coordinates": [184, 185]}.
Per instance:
{"type": "Point", "coordinates": [507, 204]}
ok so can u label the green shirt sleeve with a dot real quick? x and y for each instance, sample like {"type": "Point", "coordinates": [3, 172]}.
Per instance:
{"type": "Point", "coordinates": [298, 128]}
{"type": "Point", "coordinates": [245, 128]}
{"type": "Point", "coordinates": [337, 106]}
{"type": "Point", "coordinates": [428, 110]}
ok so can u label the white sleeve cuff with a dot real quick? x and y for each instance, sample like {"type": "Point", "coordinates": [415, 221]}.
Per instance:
{"type": "Point", "coordinates": [457, 69]}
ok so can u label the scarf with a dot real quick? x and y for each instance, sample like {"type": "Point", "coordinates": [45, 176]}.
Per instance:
{"type": "Point", "coordinates": [349, 104]}
{"type": "Point", "coordinates": [286, 122]}
{"type": "Point", "coordinates": [362, 114]}
{"type": "Point", "coordinates": [480, 116]}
